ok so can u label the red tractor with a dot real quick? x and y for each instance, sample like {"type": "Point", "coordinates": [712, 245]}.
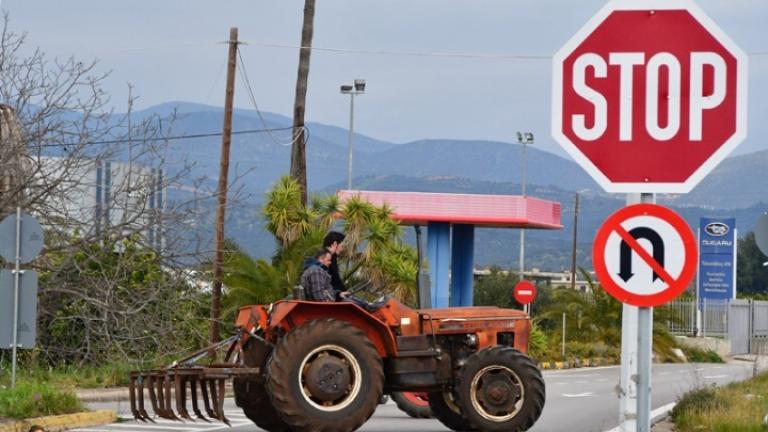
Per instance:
{"type": "Point", "coordinates": [307, 366]}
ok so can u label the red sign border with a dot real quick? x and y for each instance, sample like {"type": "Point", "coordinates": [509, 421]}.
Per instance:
{"type": "Point", "coordinates": [714, 160]}
{"type": "Point", "coordinates": [524, 283]}
{"type": "Point", "coordinates": [665, 214]}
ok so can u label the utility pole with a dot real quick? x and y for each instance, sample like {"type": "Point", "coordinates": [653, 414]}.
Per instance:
{"type": "Point", "coordinates": [299, 149]}
{"type": "Point", "coordinates": [226, 140]}
{"type": "Point", "coordinates": [575, 228]}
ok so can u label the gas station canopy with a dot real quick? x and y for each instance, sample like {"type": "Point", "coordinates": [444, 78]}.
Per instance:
{"type": "Point", "coordinates": [501, 211]}
{"type": "Point", "coordinates": [451, 220]}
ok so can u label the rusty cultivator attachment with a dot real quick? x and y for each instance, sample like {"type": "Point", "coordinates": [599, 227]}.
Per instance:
{"type": "Point", "coordinates": [168, 386]}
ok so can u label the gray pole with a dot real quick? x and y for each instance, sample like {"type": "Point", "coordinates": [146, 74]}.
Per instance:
{"type": "Point", "coordinates": [351, 129]}
{"type": "Point", "coordinates": [644, 347]}
{"type": "Point", "coordinates": [522, 230]}
{"type": "Point", "coordinates": [16, 275]}
{"type": "Point", "coordinates": [563, 345]}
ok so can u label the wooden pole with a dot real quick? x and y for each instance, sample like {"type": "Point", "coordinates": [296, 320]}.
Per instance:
{"type": "Point", "coordinates": [298, 149]}
{"type": "Point", "coordinates": [226, 140]}
{"type": "Point", "coordinates": [573, 252]}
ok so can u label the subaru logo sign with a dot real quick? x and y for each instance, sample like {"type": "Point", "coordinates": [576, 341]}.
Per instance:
{"type": "Point", "coordinates": [716, 229]}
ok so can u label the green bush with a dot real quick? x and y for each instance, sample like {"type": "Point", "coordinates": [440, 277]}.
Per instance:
{"type": "Point", "coordinates": [698, 355]}
{"type": "Point", "coordinates": [30, 399]}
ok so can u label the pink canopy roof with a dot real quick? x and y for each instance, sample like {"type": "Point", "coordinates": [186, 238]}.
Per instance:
{"type": "Point", "coordinates": [486, 210]}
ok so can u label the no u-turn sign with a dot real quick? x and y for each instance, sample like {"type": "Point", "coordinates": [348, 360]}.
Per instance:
{"type": "Point", "coordinates": [645, 255]}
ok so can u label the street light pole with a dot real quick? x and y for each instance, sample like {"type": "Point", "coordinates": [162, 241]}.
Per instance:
{"type": "Point", "coordinates": [352, 90]}
{"type": "Point", "coordinates": [523, 138]}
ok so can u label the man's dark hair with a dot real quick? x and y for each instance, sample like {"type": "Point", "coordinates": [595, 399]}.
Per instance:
{"type": "Point", "coordinates": [333, 237]}
{"type": "Point", "coordinates": [36, 428]}
{"type": "Point", "coordinates": [320, 253]}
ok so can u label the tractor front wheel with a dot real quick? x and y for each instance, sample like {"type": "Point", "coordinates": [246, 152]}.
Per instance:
{"type": "Point", "coordinates": [500, 389]}
{"type": "Point", "coordinates": [325, 375]}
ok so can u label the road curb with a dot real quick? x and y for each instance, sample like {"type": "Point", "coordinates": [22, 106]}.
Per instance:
{"type": "Point", "coordinates": [576, 363]}
{"type": "Point", "coordinates": [63, 422]}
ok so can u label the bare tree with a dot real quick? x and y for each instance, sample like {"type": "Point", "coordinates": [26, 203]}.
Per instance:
{"type": "Point", "coordinates": [120, 211]}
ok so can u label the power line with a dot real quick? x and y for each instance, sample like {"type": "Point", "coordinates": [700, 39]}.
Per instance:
{"type": "Point", "coordinates": [247, 82]}
{"type": "Point", "coordinates": [439, 54]}
{"type": "Point", "coordinates": [167, 138]}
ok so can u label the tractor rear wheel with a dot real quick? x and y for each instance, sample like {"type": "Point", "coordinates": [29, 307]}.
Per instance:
{"type": "Point", "coordinates": [414, 404]}
{"type": "Point", "coordinates": [500, 389]}
{"type": "Point", "coordinates": [251, 395]}
{"type": "Point", "coordinates": [445, 409]}
{"type": "Point", "coordinates": [325, 376]}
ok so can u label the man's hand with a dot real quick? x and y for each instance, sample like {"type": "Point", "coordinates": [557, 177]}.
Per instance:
{"type": "Point", "coordinates": [344, 294]}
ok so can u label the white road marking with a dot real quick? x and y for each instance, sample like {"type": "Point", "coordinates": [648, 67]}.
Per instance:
{"type": "Point", "coordinates": [660, 411]}
{"type": "Point", "coordinates": [237, 418]}
{"type": "Point", "coordinates": [714, 376]}
{"type": "Point", "coordinates": [578, 395]}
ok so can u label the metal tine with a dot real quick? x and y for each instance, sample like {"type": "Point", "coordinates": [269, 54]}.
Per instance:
{"type": "Point", "coordinates": [220, 402]}
{"type": "Point", "coordinates": [180, 387]}
{"type": "Point", "coordinates": [132, 396]}
{"type": "Point", "coordinates": [196, 409]}
{"type": "Point", "coordinates": [214, 398]}
{"type": "Point", "coordinates": [159, 389]}
{"type": "Point", "coordinates": [142, 411]}
{"type": "Point", "coordinates": [206, 401]}
{"type": "Point", "coordinates": [167, 390]}
{"type": "Point", "coordinates": [153, 394]}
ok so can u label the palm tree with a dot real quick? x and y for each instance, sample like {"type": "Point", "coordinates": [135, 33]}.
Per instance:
{"type": "Point", "coordinates": [299, 230]}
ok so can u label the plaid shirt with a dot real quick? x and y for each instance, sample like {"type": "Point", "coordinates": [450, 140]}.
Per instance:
{"type": "Point", "coordinates": [317, 284]}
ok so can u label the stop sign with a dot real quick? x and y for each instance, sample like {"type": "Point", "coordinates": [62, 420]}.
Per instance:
{"type": "Point", "coordinates": [649, 96]}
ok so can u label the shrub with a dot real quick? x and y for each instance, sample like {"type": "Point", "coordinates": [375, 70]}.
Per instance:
{"type": "Point", "coordinates": [29, 400]}
{"type": "Point", "coordinates": [698, 355]}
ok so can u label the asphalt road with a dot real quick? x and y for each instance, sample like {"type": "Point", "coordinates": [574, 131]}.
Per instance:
{"type": "Point", "coordinates": [578, 400]}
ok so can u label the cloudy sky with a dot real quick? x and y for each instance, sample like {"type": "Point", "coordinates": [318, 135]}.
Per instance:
{"type": "Point", "coordinates": [171, 50]}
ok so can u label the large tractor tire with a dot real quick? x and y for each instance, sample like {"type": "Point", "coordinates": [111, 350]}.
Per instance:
{"type": "Point", "coordinates": [414, 404]}
{"type": "Point", "coordinates": [325, 376]}
{"type": "Point", "coordinates": [445, 409]}
{"type": "Point", "coordinates": [500, 389]}
{"type": "Point", "coordinates": [251, 396]}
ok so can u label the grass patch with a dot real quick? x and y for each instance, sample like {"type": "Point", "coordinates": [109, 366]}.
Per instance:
{"type": "Point", "coordinates": [30, 399]}
{"type": "Point", "coordinates": [698, 355]}
{"type": "Point", "coordinates": [736, 407]}
{"type": "Point", "coordinates": [112, 375]}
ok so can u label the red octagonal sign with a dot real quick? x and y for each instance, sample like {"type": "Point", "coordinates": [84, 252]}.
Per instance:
{"type": "Point", "coordinates": [649, 96]}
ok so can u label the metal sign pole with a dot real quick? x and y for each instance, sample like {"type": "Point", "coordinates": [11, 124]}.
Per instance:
{"type": "Point", "coordinates": [636, 343]}
{"type": "Point", "coordinates": [16, 274]}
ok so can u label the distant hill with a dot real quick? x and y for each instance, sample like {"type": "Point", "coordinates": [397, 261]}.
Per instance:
{"type": "Point", "coordinates": [736, 188]}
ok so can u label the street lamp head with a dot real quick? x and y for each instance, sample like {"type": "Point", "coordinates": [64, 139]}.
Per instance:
{"type": "Point", "coordinates": [528, 137]}
{"type": "Point", "coordinates": [360, 85]}
{"type": "Point", "coordinates": [346, 89]}
{"type": "Point", "coordinates": [525, 137]}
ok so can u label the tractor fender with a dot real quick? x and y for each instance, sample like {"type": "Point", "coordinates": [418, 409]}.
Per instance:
{"type": "Point", "coordinates": [291, 314]}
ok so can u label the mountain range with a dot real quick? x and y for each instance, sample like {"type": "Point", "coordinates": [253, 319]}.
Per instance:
{"type": "Point", "coordinates": [736, 187]}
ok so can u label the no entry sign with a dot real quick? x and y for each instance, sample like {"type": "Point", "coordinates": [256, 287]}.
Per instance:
{"type": "Point", "coordinates": [649, 96]}
{"type": "Point", "coordinates": [645, 255]}
{"type": "Point", "coordinates": [524, 292]}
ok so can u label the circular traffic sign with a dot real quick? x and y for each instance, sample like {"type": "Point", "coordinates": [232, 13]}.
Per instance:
{"type": "Point", "coordinates": [645, 255]}
{"type": "Point", "coordinates": [30, 241]}
{"type": "Point", "coordinates": [642, 108]}
{"type": "Point", "coordinates": [524, 292]}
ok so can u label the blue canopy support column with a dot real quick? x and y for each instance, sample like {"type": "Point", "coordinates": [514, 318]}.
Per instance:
{"type": "Point", "coordinates": [462, 263]}
{"type": "Point", "coordinates": [439, 255]}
